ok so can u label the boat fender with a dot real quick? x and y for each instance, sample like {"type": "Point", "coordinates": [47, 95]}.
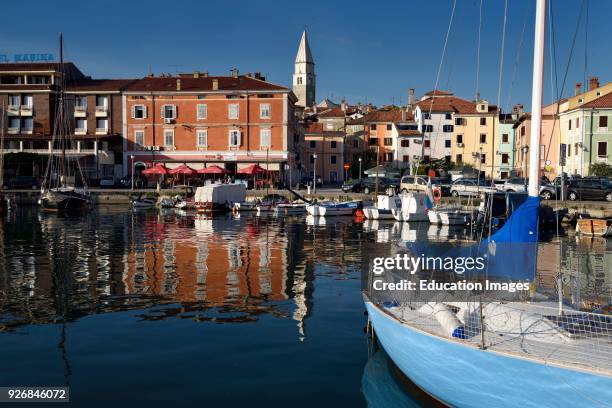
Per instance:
{"type": "Point", "coordinates": [449, 321]}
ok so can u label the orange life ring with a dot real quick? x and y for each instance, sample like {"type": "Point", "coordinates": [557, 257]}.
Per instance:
{"type": "Point", "coordinates": [437, 194]}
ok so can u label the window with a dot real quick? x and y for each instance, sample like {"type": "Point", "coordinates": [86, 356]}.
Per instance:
{"type": "Point", "coordinates": [447, 143]}
{"type": "Point", "coordinates": [427, 128]}
{"type": "Point", "coordinates": [426, 115]}
{"type": "Point", "coordinates": [603, 121]}
{"type": "Point", "coordinates": [265, 111]}
{"type": "Point", "coordinates": [459, 158]}
{"type": "Point", "coordinates": [373, 126]}
{"type": "Point", "coordinates": [81, 126]}
{"type": "Point", "coordinates": [427, 143]}
{"type": "Point", "coordinates": [388, 157]}
{"type": "Point", "coordinates": [313, 144]}
{"type": "Point", "coordinates": [14, 124]}
{"type": "Point", "coordinates": [234, 138]}
{"type": "Point", "coordinates": [577, 123]}
{"type": "Point", "coordinates": [355, 143]}
{"type": "Point", "coordinates": [80, 101]}
{"type": "Point", "coordinates": [311, 158]}
{"type": "Point", "coordinates": [483, 158]}
{"type": "Point", "coordinates": [139, 138]}
{"type": "Point", "coordinates": [139, 111]}
{"type": "Point", "coordinates": [373, 141]}
{"type": "Point", "coordinates": [522, 130]}
{"type": "Point", "coordinates": [101, 125]}
{"type": "Point", "coordinates": [332, 159]}
{"type": "Point", "coordinates": [333, 176]}
{"type": "Point", "coordinates": [202, 111]}
{"type": "Point", "coordinates": [483, 138]}
{"type": "Point", "coordinates": [459, 138]}
{"type": "Point", "coordinates": [26, 100]}
{"type": "Point", "coordinates": [169, 138]}
{"type": "Point", "coordinates": [447, 128]}
{"type": "Point", "coordinates": [483, 121]}
{"type": "Point", "coordinates": [602, 149]}
{"type": "Point", "coordinates": [405, 158]}
{"type": "Point", "coordinates": [389, 126]}
{"type": "Point", "coordinates": [448, 116]}
{"type": "Point", "coordinates": [27, 125]}
{"type": "Point", "coordinates": [426, 158]}
{"type": "Point", "coordinates": [101, 102]}
{"type": "Point", "coordinates": [233, 111]}
{"type": "Point", "coordinates": [576, 149]}
{"type": "Point", "coordinates": [265, 136]}
{"type": "Point", "coordinates": [14, 100]}
{"type": "Point", "coordinates": [202, 137]}
{"type": "Point", "coordinates": [505, 138]}
{"type": "Point", "coordinates": [334, 144]}
{"type": "Point", "coordinates": [504, 158]}
{"type": "Point", "coordinates": [168, 111]}
{"type": "Point", "coordinates": [405, 143]}
{"type": "Point", "coordinates": [388, 141]}
{"type": "Point", "coordinates": [460, 121]}
{"type": "Point", "coordinates": [569, 124]}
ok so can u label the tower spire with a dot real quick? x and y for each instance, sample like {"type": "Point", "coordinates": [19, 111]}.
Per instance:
{"type": "Point", "coordinates": [304, 78]}
{"type": "Point", "coordinates": [304, 54]}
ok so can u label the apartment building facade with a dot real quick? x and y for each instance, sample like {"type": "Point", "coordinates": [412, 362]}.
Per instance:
{"type": "Point", "coordinates": [324, 152]}
{"type": "Point", "coordinates": [474, 131]}
{"type": "Point", "coordinates": [195, 119]}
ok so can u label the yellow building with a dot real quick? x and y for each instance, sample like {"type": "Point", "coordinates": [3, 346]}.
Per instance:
{"type": "Point", "coordinates": [474, 134]}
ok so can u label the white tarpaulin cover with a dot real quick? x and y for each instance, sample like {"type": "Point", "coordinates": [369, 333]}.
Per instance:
{"type": "Point", "coordinates": [221, 193]}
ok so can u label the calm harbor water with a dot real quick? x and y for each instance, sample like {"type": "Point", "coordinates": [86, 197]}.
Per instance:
{"type": "Point", "coordinates": [157, 308]}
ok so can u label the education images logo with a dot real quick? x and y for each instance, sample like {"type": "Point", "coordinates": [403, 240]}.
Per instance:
{"type": "Point", "coordinates": [406, 264]}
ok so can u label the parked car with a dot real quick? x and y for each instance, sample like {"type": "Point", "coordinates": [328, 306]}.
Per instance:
{"type": "Point", "coordinates": [107, 182]}
{"type": "Point", "coordinates": [351, 185]}
{"type": "Point", "coordinates": [443, 183]}
{"type": "Point", "coordinates": [589, 189]}
{"type": "Point", "coordinates": [307, 181]}
{"type": "Point", "coordinates": [22, 182]}
{"type": "Point", "coordinates": [548, 191]}
{"type": "Point", "coordinates": [470, 187]}
{"type": "Point", "coordinates": [413, 183]}
{"type": "Point", "coordinates": [385, 185]}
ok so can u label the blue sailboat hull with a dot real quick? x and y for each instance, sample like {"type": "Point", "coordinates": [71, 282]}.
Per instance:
{"type": "Point", "coordinates": [462, 375]}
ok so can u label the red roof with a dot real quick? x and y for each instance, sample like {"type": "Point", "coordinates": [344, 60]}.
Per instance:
{"type": "Point", "coordinates": [319, 128]}
{"type": "Point", "coordinates": [225, 83]}
{"type": "Point", "coordinates": [438, 92]}
{"type": "Point", "coordinates": [450, 104]}
{"type": "Point", "coordinates": [100, 85]}
{"type": "Point", "coordinates": [601, 102]}
{"type": "Point", "coordinates": [389, 115]}
{"type": "Point", "coordinates": [332, 113]}
{"type": "Point", "coordinates": [408, 132]}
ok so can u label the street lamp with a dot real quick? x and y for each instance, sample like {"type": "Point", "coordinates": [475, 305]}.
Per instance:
{"type": "Point", "coordinates": [314, 174]}
{"type": "Point", "coordinates": [132, 157]}
{"type": "Point", "coordinates": [525, 149]}
{"type": "Point", "coordinates": [360, 168]}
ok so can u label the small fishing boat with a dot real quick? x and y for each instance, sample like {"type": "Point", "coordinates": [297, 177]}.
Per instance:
{"type": "Point", "coordinates": [413, 207]}
{"type": "Point", "coordinates": [245, 206]}
{"type": "Point", "coordinates": [383, 208]}
{"type": "Point", "coordinates": [185, 205]}
{"type": "Point", "coordinates": [219, 198]}
{"type": "Point", "coordinates": [594, 227]}
{"type": "Point", "coordinates": [332, 208]}
{"type": "Point", "coordinates": [449, 216]}
{"type": "Point", "coordinates": [141, 203]}
{"type": "Point", "coordinates": [289, 209]}
{"type": "Point", "coordinates": [167, 202]}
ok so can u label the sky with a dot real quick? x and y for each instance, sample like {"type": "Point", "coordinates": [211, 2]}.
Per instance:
{"type": "Point", "coordinates": [363, 51]}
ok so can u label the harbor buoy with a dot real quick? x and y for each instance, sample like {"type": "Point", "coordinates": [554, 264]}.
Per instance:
{"type": "Point", "coordinates": [437, 194]}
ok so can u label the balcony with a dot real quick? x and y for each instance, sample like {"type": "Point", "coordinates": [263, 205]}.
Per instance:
{"type": "Point", "coordinates": [101, 111]}
{"type": "Point", "coordinates": [80, 131]}
{"type": "Point", "coordinates": [26, 110]}
{"type": "Point", "coordinates": [101, 131]}
{"type": "Point", "coordinates": [80, 111]}
{"type": "Point", "coordinates": [27, 131]}
{"type": "Point", "coordinates": [13, 130]}
{"type": "Point", "coordinates": [13, 110]}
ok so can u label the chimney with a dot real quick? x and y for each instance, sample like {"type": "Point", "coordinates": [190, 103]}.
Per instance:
{"type": "Point", "coordinates": [215, 84]}
{"type": "Point", "coordinates": [411, 97]}
{"type": "Point", "coordinates": [593, 83]}
{"type": "Point", "coordinates": [343, 105]}
{"type": "Point", "coordinates": [577, 89]}
{"type": "Point", "coordinates": [205, 74]}
{"type": "Point", "coordinates": [403, 115]}
{"type": "Point", "coordinates": [196, 74]}
{"type": "Point", "coordinates": [178, 84]}
{"type": "Point", "coordinates": [234, 72]}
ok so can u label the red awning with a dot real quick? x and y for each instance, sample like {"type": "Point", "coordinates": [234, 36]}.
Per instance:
{"type": "Point", "coordinates": [214, 169]}
{"type": "Point", "coordinates": [183, 169]}
{"type": "Point", "coordinates": [157, 169]}
{"type": "Point", "coordinates": [252, 169]}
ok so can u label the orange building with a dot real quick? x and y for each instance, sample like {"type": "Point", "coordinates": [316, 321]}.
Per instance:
{"type": "Point", "coordinates": [232, 121]}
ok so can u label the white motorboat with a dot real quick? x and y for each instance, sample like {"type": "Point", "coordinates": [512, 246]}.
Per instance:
{"type": "Point", "coordinates": [289, 209]}
{"type": "Point", "coordinates": [413, 207]}
{"type": "Point", "coordinates": [245, 206]}
{"type": "Point", "coordinates": [332, 208]}
{"type": "Point", "coordinates": [144, 203]}
{"type": "Point", "coordinates": [383, 208]}
{"type": "Point", "coordinates": [449, 216]}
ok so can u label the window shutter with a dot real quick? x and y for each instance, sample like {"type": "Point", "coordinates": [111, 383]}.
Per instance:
{"type": "Point", "coordinates": [239, 142]}
{"type": "Point", "coordinates": [174, 110]}
{"type": "Point", "coordinates": [162, 111]}
{"type": "Point", "coordinates": [133, 112]}
{"type": "Point", "coordinates": [145, 112]}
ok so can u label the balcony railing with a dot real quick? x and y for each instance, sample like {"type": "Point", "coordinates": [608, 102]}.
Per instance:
{"type": "Point", "coordinates": [13, 109]}
{"type": "Point", "coordinates": [13, 130]}
{"type": "Point", "coordinates": [101, 131]}
{"type": "Point", "coordinates": [26, 109]}
{"type": "Point", "coordinates": [80, 131]}
{"type": "Point", "coordinates": [101, 110]}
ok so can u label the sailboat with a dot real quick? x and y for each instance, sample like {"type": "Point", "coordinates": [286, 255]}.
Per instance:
{"type": "Point", "coordinates": [58, 190]}
{"type": "Point", "coordinates": [526, 350]}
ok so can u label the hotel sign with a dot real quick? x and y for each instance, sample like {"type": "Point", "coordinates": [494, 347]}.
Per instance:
{"type": "Point", "coordinates": [26, 58]}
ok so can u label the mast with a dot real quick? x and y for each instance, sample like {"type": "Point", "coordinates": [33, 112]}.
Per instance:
{"type": "Point", "coordinates": [2, 149]}
{"type": "Point", "coordinates": [62, 112]}
{"type": "Point", "coordinates": [536, 98]}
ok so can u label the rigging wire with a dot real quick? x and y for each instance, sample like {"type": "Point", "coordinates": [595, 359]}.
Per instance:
{"type": "Point", "coordinates": [478, 52]}
{"type": "Point", "coordinates": [517, 60]}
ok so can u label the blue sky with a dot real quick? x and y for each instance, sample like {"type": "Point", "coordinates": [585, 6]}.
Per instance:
{"type": "Point", "coordinates": [370, 51]}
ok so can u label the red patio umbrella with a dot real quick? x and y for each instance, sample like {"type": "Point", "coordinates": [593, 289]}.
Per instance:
{"type": "Point", "coordinates": [183, 169]}
{"type": "Point", "coordinates": [252, 169]}
{"type": "Point", "coordinates": [157, 169]}
{"type": "Point", "coordinates": [214, 169]}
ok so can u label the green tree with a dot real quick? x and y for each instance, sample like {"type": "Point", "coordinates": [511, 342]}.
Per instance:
{"type": "Point", "coordinates": [368, 160]}
{"type": "Point", "coordinates": [600, 169]}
